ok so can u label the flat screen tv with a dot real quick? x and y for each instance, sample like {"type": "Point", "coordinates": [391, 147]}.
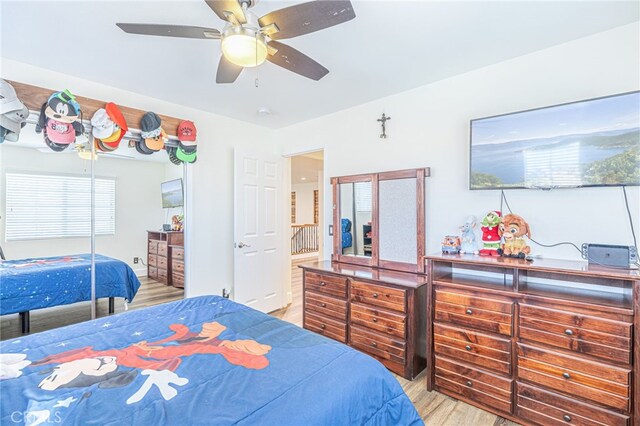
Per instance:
{"type": "Point", "coordinates": [594, 142]}
{"type": "Point", "coordinates": [172, 195]}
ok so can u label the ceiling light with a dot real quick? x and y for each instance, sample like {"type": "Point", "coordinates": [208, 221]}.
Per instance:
{"type": "Point", "coordinates": [244, 47]}
{"type": "Point", "coordinates": [264, 111]}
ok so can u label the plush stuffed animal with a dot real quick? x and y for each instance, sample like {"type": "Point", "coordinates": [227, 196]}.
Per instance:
{"type": "Point", "coordinates": [468, 236]}
{"type": "Point", "coordinates": [60, 120]}
{"type": "Point", "coordinates": [512, 229]}
{"type": "Point", "coordinates": [490, 235]}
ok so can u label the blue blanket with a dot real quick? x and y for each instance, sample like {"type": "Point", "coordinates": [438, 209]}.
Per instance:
{"type": "Point", "coordinates": [205, 360]}
{"type": "Point", "coordinates": [29, 284]}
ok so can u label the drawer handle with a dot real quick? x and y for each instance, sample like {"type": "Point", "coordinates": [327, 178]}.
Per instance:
{"type": "Point", "coordinates": [374, 344]}
{"type": "Point", "coordinates": [324, 305]}
{"type": "Point", "coordinates": [322, 283]}
{"type": "Point", "coordinates": [469, 383]}
{"type": "Point", "coordinates": [568, 332]}
{"type": "Point", "coordinates": [567, 418]}
{"type": "Point", "coordinates": [468, 347]}
{"type": "Point", "coordinates": [469, 312]}
{"type": "Point", "coordinates": [322, 326]}
{"type": "Point", "coordinates": [566, 375]}
{"type": "Point", "coordinates": [375, 319]}
{"type": "Point", "coordinates": [375, 295]}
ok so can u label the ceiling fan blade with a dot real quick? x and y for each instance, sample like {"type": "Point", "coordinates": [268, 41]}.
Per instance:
{"type": "Point", "coordinates": [224, 8]}
{"type": "Point", "coordinates": [183, 31]}
{"type": "Point", "coordinates": [228, 72]}
{"type": "Point", "coordinates": [293, 60]}
{"type": "Point", "coordinates": [308, 17]}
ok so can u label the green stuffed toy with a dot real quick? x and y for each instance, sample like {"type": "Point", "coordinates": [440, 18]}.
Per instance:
{"type": "Point", "coordinates": [490, 234]}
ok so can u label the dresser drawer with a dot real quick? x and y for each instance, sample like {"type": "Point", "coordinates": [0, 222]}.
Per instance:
{"type": "Point", "coordinates": [177, 265]}
{"type": "Point", "coordinates": [153, 247]}
{"type": "Point", "coordinates": [325, 305]}
{"type": "Point", "coordinates": [478, 312]}
{"type": "Point", "coordinates": [549, 408]}
{"type": "Point", "coordinates": [327, 284]}
{"type": "Point", "coordinates": [162, 249]}
{"type": "Point", "coordinates": [377, 344]}
{"type": "Point", "coordinates": [177, 280]}
{"type": "Point", "coordinates": [376, 295]}
{"type": "Point", "coordinates": [481, 386]}
{"type": "Point", "coordinates": [577, 332]}
{"type": "Point", "coordinates": [161, 262]}
{"type": "Point", "coordinates": [177, 253]}
{"type": "Point", "coordinates": [481, 349]}
{"type": "Point", "coordinates": [162, 275]}
{"type": "Point", "coordinates": [152, 260]}
{"type": "Point", "coordinates": [326, 326]}
{"type": "Point", "coordinates": [388, 322]}
{"type": "Point", "coordinates": [152, 272]}
{"type": "Point", "coordinates": [573, 375]}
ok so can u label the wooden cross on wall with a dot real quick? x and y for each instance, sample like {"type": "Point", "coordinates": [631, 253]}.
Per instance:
{"type": "Point", "coordinates": [383, 123]}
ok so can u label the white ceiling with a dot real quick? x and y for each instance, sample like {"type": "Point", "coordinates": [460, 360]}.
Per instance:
{"type": "Point", "coordinates": [390, 46]}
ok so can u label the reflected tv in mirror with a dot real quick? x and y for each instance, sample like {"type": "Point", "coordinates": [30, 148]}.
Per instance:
{"type": "Point", "coordinates": [595, 142]}
{"type": "Point", "coordinates": [172, 194]}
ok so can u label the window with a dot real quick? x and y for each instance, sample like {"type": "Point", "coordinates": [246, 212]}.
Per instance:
{"type": "Point", "coordinates": [363, 196]}
{"type": "Point", "coordinates": [293, 207]}
{"type": "Point", "coordinates": [316, 207]}
{"type": "Point", "coordinates": [57, 206]}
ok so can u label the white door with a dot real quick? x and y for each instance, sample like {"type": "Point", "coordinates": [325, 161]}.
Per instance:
{"type": "Point", "coordinates": [259, 246]}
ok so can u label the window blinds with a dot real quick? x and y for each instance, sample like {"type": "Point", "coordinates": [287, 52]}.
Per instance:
{"type": "Point", "coordinates": [363, 196]}
{"type": "Point", "coordinates": [57, 206]}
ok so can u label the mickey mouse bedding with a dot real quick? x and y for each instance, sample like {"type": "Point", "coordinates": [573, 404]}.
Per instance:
{"type": "Point", "coordinates": [204, 360]}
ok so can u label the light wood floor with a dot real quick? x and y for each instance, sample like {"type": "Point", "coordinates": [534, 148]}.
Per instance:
{"type": "Point", "coordinates": [434, 408]}
{"type": "Point", "coordinates": [150, 293]}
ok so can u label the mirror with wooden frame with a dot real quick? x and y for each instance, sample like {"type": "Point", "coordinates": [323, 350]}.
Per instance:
{"type": "Point", "coordinates": [379, 219]}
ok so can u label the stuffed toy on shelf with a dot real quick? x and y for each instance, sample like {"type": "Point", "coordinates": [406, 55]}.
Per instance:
{"type": "Point", "coordinates": [512, 229]}
{"type": "Point", "coordinates": [490, 235]}
{"type": "Point", "coordinates": [468, 236]}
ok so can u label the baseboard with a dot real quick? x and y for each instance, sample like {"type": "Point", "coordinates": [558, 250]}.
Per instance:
{"type": "Point", "coordinates": [140, 272]}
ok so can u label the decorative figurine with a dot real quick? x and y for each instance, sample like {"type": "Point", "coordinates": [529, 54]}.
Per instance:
{"type": "Point", "coordinates": [512, 229]}
{"type": "Point", "coordinates": [490, 235]}
{"type": "Point", "coordinates": [468, 236]}
{"type": "Point", "coordinates": [451, 244]}
{"type": "Point", "coordinates": [176, 222]}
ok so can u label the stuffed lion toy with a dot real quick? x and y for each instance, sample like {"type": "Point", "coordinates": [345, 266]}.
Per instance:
{"type": "Point", "coordinates": [512, 230]}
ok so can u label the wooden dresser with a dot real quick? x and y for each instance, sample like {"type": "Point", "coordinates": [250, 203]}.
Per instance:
{"type": "Point", "coordinates": [165, 257]}
{"type": "Point", "coordinates": [545, 342]}
{"type": "Point", "coordinates": [379, 312]}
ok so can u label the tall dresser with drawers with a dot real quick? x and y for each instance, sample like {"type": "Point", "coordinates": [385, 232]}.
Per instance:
{"type": "Point", "coordinates": [165, 257]}
{"type": "Point", "coordinates": [379, 312]}
{"type": "Point", "coordinates": [544, 342]}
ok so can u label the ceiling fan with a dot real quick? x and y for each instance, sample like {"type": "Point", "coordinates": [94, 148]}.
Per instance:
{"type": "Point", "coordinates": [247, 41]}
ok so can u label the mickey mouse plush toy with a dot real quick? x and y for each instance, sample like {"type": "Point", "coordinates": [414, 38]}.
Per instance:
{"type": "Point", "coordinates": [61, 120]}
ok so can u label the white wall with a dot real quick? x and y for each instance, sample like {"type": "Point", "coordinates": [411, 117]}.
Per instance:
{"type": "Point", "coordinates": [304, 202]}
{"type": "Point", "coordinates": [430, 127]}
{"type": "Point", "coordinates": [210, 179]}
{"type": "Point", "coordinates": [138, 203]}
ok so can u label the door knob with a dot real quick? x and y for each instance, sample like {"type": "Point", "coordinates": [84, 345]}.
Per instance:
{"type": "Point", "coordinates": [243, 245]}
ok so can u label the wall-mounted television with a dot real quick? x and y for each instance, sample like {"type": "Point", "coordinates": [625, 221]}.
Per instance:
{"type": "Point", "coordinates": [172, 194]}
{"type": "Point", "coordinates": [594, 142]}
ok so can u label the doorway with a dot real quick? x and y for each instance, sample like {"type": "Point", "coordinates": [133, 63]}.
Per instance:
{"type": "Point", "coordinates": [305, 216]}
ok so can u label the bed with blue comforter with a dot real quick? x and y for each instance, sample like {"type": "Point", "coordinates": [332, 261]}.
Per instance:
{"type": "Point", "coordinates": [36, 283]}
{"type": "Point", "coordinates": [204, 360]}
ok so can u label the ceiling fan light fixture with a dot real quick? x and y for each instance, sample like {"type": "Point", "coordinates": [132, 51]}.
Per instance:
{"type": "Point", "coordinates": [244, 47]}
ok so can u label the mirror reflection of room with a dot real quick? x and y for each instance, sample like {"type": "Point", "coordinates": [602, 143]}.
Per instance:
{"type": "Point", "coordinates": [355, 218]}
{"type": "Point", "coordinates": [46, 224]}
